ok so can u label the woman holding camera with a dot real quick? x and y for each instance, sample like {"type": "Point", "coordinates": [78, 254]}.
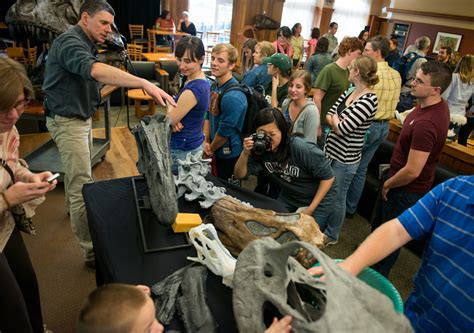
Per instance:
{"type": "Point", "coordinates": [350, 118]}
{"type": "Point", "coordinates": [22, 191]}
{"type": "Point", "coordinates": [299, 167]}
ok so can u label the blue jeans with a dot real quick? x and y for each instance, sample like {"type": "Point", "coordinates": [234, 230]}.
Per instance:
{"type": "Point", "coordinates": [344, 174]}
{"type": "Point", "coordinates": [377, 132]}
{"type": "Point", "coordinates": [397, 202]}
{"type": "Point", "coordinates": [178, 154]}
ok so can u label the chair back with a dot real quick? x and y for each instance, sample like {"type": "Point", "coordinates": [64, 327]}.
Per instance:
{"type": "Point", "coordinates": [32, 55]}
{"type": "Point", "coordinates": [16, 53]}
{"type": "Point", "coordinates": [136, 31]}
{"type": "Point", "coordinates": [199, 34]}
{"type": "Point", "coordinates": [135, 51]}
{"type": "Point", "coordinates": [212, 38]}
{"type": "Point", "coordinates": [143, 69]}
{"type": "Point", "coordinates": [151, 40]}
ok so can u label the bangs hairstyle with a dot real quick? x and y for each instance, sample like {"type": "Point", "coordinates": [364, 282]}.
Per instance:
{"type": "Point", "coordinates": [13, 80]}
{"type": "Point", "coordinates": [192, 44]}
{"type": "Point", "coordinates": [350, 44]}
{"type": "Point", "coordinates": [111, 308]}
{"type": "Point", "coordinates": [271, 115]}
{"type": "Point", "coordinates": [305, 75]}
{"type": "Point", "coordinates": [232, 54]}
{"type": "Point", "coordinates": [92, 7]}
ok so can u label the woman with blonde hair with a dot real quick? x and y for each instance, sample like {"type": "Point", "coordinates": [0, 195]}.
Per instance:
{"type": "Point", "coordinates": [22, 192]}
{"type": "Point", "coordinates": [258, 75]}
{"type": "Point", "coordinates": [301, 114]}
{"type": "Point", "coordinates": [349, 119]}
{"type": "Point", "coordinates": [460, 91]}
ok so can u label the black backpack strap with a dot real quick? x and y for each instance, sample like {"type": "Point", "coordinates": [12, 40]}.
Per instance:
{"type": "Point", "coordinates": [8, 169]}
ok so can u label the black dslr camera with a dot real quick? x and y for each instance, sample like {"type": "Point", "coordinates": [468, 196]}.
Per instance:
{"type": "Point", "coordinates": [261, 143]}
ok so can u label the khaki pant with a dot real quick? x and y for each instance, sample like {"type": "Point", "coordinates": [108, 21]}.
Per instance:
{"type": "Point", "coordinates": [74, 140]}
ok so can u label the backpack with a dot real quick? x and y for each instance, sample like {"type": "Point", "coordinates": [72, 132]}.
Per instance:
{"type": "Point", "coordinates": [403, 65]}
{"type": "Point", "coordinates": [255, 102]}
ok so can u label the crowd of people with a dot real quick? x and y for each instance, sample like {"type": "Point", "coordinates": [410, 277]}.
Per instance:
{"type": "Point", "coordinates": [315, 157]}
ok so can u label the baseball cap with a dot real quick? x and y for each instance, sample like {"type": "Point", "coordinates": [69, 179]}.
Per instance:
{"type": "Point", "coordinates": [282, 61]}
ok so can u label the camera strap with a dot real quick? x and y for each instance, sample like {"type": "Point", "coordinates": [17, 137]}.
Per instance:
{"type": "Point", "coordinates": [8, 169]}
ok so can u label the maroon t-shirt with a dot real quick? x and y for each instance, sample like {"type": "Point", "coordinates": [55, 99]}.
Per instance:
{"type": "Point", "coordinates": [424, 129]}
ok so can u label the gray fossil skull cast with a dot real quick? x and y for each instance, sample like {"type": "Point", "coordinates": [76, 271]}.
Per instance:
{"type": "Point", "coordinates": [238, 225]}
{"type": "Point", "coordinates": [44, 20]}
{"type": "Point", "coordinates": [154, 161]}
{"type": "Point", "coordinates": [269, 282]}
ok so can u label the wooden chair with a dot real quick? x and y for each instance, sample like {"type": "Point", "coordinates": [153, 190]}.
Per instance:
{"type": "Point", "coordinates": [135, 52]}
{"type": "Point", "coordinates": [212, 38]}
{"type": "Point", "coordinates": [152, 47]}
{"type": "Point", "coordinates": [136, 35]}
{"type": "Point", "coordinates": [32, 55]}
{"type": "Point", "coordinates": [17, 53]}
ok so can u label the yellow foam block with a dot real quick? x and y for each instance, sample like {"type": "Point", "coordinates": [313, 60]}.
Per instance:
{"type": "Point", "coordinates": [186, 221]}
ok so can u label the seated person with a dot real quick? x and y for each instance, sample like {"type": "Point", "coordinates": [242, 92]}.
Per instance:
{"type": "Point", "coordinates": [299, 167]}
{"type": "Point", "coordinates": [119, 308]}
{"type": "Point", "coordinates": [184, 25]}
{"type": "Point", "coordinates": [258, 76]}
{"type": "Point", "coordinates": [164, 21]}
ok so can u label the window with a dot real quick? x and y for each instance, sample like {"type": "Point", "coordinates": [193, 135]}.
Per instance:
{"type": "Point", "coordinates": [211, 15]}
{"type": "Point", "coordinates": [299, 11]}
{"type": "Point", "coordinates": [351, 17]}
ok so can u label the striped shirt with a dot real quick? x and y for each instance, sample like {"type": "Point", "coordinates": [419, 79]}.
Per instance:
{"type": "Point", "coordinates": [355, 121]}
{"type": "Point", "coordinates": [443, 296]}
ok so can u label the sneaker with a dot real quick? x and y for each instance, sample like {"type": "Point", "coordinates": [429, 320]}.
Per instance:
{"type": "Point", "coordinates": [329, 241]}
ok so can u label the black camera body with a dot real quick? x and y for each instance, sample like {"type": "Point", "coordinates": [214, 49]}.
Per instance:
{"type": "Point", "coordinates": [261, 143]}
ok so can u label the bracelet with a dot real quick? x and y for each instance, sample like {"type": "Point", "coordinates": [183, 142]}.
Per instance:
{"type": "Point", "coordinates": [6, 201]}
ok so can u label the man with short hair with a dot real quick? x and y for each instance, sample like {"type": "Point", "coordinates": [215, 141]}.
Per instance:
{"type": "Point", "coordinates": [388, 93]}
{"type": "Point", "coordinates": [414, 158]}
{"type": "Point", "coordinates": [223, 123]}
{"type": "Point", "coordinates": [71, 84]}
{"type": "Point", "coordinates": [333, 80]}
{"type": "Point", "coordinates": [444, 55]}
{"type": "Point", "coordinates": [330, 35]}
{"type": "Point", "coordinates": [422, 45]}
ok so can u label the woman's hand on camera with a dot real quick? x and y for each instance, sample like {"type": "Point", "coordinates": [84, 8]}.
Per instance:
{"type": "Point", "coordinates": [22, 192]}
{"type": "Point", "coordinates": [248, 145]}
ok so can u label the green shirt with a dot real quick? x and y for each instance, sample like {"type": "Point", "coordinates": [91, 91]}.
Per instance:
{"type": "Point", "coordinates": [333, 80]}
{"type": "Point", "coordinates": [282, 92]}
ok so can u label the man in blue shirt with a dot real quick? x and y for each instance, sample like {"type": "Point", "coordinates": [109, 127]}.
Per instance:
{"type": "Point", "coordinates": [223, 124]}
{"type": "Point", "coordinates": [442, 299]}
{"type": "Point", "coordinates": [71, 85]}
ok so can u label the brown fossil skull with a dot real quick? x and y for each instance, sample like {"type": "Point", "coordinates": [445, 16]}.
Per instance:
{"type": "Point", "coordinates": [238, 225]}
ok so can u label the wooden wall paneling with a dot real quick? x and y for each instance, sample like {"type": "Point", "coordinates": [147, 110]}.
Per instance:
{"type": "Point", "coordinates": [176, 7]}
{"type": "Point", "coordinates": [326, 17]}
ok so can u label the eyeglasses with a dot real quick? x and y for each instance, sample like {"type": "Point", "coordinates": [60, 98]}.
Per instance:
{"type": "Point", "coordinates": [19, 106]}
{"type": "Point", "coordinates": [418, 82]}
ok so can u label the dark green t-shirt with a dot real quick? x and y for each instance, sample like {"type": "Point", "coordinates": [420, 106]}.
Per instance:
{"type": "Point", "coordinates": [282, 92]}
{"type": "Point", "coordinates": [299, 179]}
{"type": "Point", "coordinates": [334, 80]}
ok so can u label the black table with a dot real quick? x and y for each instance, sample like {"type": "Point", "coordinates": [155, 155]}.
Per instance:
{"type": "Point", "coordinates": [118, 245]}
{"type": "Point", "coordinates": [119, 248]}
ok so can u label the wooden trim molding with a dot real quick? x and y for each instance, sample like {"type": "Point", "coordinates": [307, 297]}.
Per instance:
{"type": "Point", "coordinates": [438, 15]}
